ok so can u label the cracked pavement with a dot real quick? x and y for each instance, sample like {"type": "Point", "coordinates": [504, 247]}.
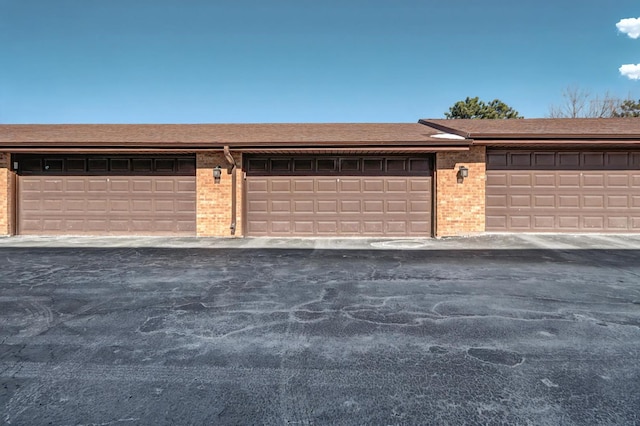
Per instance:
{"type": "Point", "coordinates": [436, 334]}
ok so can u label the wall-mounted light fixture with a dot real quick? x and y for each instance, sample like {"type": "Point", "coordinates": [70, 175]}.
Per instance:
{"type": "Point", "coordinates": [217, 172]}
{"type": "Point", "coordinates": [463, 172]}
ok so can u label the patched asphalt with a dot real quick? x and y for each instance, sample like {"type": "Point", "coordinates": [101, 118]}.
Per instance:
{"type": "Point", "coordinates": [486, 330]}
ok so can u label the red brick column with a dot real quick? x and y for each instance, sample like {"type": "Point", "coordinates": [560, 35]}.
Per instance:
{"type": "Point", "coordinates": [460, 206]}
{"type": "Point", "coordinates": [7, 195]}
{"type": "Point", "coordinates": [213, 204]}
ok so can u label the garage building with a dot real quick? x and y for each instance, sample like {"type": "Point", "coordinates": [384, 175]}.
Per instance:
{"type": "Point", "coordinates": [431, 178]}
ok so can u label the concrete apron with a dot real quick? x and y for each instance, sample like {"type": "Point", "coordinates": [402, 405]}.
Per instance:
{"type": "Point", "coordinates": [482, 242]}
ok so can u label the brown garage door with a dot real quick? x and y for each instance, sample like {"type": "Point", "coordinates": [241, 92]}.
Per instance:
{"type": "Point", "coordinates": [562, 191]}
{"type": "Point", "coordinates": [338, 196]}
{"type": "Point", "coordinates": [96, 195]}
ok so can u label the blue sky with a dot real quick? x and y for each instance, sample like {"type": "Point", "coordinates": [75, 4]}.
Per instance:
{"type": "Point", "coordinates": [208, 61]}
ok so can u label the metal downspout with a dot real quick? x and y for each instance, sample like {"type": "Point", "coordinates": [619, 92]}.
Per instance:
{"type": "Point", "coordinates": [232, 171]}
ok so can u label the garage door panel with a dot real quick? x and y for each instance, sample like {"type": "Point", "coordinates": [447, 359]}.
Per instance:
{"type": "Point", "coordinates": [349, 227]}
{"type": "Point", "coordinates": [303, 206]}
{"type": "Point", "coordinates": [119, 185]}
{"type": "Point", "coordinates": [420, 186]}
{"type": "Point", "coordinates": [327, 185]}
{"type": "Point", "coordinates": [97, 205]}
{"type": "Point", "coordinates": [258, 185]}
{"type": "Point", "coordinates": [75, 206]}
{"type": "Point", "coordinates": [186, 186]}
{"type": "Point", "coordinates": [186, 226]}
{"type": "Point", "coordinates": [164, 186]}
{"type": "Point", "coordinates": [496, 222]}
{"type": "Point", "coordinates": [348, 205]}
{"type": "Point", "coordinates": [327, 227]}
{"type": "Point", "coordinates": [497, 179]}
{"type": "Point", "coordinates": [593, 180]}
{"type": "Point", "coordinates": [544, 180]}
{"type": "Point", "coordinates": [142, 206]}
{"type": "Point", "coordinates": [618, 201]}
{"type": "Point", "coordinates": [350, 185]}
{"type": "Point", "coordinates": [373, 227]}
{"type": "Point", "coordinates": [303, 227]}
{"type": "Point", "coordinates": [497, 201]}
{"type": "Point", "coordinates": [617, 222]}
{"type": "Point", "coordinates": [568, 159]}
{"type": "Point", "coordinates": [544, 159]}
{"type": "Point", "coordinates": [522, 222]}
{"type": "Point", "coordinates": [280, 226]}
{"type": "Point", "coordinates": [621, 160]}
{"type": "Point", "coordinates": [280, 186]}
{"type": "Point", "coordinates": [144, 186]}
{"type": "Point", "coordinates": [374, 185]}
{"type": "Point", "coordinates": [327, 206]}
{"type": "Point", "coordinates": [121, 225]}
{"type": "Point", "coordinates": [186, 207]}
{"type": "Point", "coordinates": [520, 201]}
{"type": "Point", "coordinates": [397, 186]}
{"type": "Point", "coordinates": [520, 159]}
{"type": "Point", "coordinates": [543, 222]}
{"type": "Point", "coordinates": [303, 186]}
{"type": "Point", "coordinates": [258, 206]}
{"type": "Point", "coordinates": [278, 206]}
{"type": "Point", "coordinates": [569, 180]}
{"type": "Point", "coordinates": [593, 201]}
{"type": "Point", "coordinates": [569, 222]}
{"type": "Point", "coordinates": [99, 185]}
{"type": "Point", "coordinates": [617, 181]}
{"type": "Point", "coordinates": [53, 205]}
{"type": "Point", "coordinates": [75, 185]}
{"type": "Point", "coordinates": [593, 159]}
{"type": "Point", "coordinates": [165, 206]}
{"type": "Point", "coordinates": [420, 206]}
{"type": "Point", "coordinates": [258, 227]}
{"type": "Point", "coordinates": [373, 206]}
{"type": "Point", "coordinates": [595, 223]}
{"type": "Point", "coordinates": [420, 227]}
{"type": "Point", "coordinates": [116, 203]}
{"type": "Point", "coordinates": [568, 201]}
{"type": "Point", "coordinates": [397, 206]}
{"type": "Point", "coordinates": [520, 179]}
{"type": "Point", "coordinates": [53, 186]}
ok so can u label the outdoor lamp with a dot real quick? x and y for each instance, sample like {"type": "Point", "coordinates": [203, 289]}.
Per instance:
{"type": "Point", "coordinates": [463, 172]}
{"type": "Point", "coordinates": [217, 172]}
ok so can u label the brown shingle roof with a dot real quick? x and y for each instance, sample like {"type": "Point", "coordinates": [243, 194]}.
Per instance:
{"type": "Point", "coordinates": [540, 128]}
{"type": "Point", "coordinates": [217, 135]}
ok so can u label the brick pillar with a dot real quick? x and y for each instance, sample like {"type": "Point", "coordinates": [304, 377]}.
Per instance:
{"type": "Point", "coordinates": [213, 204]}
{"type": "Point", "coordinates": [460, 206]}
{"type": "Point", "coordinates": [7, 197]}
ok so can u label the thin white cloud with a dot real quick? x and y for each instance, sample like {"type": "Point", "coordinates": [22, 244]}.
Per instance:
{"type": "Point", "coordinates": [632, 71]}
{"type": "Point", "coordinates": [629, 26]}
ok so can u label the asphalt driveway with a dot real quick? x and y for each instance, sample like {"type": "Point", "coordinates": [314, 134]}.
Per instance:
{"type": "Point", "coordinates": [484, 330]}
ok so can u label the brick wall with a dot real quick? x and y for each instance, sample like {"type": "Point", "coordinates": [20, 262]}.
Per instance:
{"type": "Point", "coordinates": [6, 195]}
{"type": "Point", "coordinates": [213, 204]}
{"type": "Point", "coordinates": [460, 206]}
